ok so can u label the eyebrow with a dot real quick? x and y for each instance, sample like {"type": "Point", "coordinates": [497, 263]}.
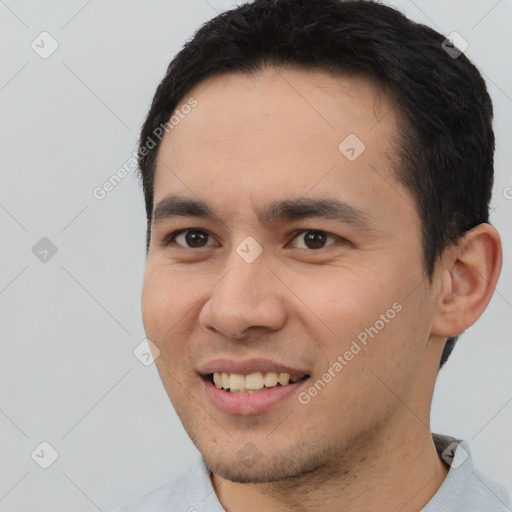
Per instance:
{"type": "Point", "coordinates": [273, 213]}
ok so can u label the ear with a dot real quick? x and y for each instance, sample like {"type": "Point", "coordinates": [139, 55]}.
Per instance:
{"type": "Point", "coordinates": [467, 275]}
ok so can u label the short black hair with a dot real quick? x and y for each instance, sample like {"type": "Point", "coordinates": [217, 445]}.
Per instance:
{"type": "Point", "coordinates": [446, 141]}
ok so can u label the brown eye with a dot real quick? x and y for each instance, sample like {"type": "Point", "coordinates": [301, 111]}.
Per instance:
{"type": "Point", "coordinates": [314, 239]}
{"type": "Point", "coordinates": [190, 238]}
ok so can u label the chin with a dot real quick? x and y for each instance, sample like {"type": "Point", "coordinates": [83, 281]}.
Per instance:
{"type": "Point", "coordinates": [243, 475]}
{"type": "Point", "coordinates": [249, 466]}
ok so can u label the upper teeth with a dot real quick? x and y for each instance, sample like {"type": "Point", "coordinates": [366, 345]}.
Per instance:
{"type": "Point", "coordinates": [237, 382]}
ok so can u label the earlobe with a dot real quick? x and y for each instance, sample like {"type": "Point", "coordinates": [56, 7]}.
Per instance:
{"type": "Point", "coordinates": [468, 276]}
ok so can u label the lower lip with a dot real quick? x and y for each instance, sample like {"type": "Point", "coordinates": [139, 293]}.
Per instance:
{"type": "Point", "coordinates": [249, 403]}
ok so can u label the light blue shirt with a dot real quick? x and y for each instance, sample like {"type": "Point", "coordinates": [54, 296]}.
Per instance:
{"type": "Point", "coordinates": [463, 490]}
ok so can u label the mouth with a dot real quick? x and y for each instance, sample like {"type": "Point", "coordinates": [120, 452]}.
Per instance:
{"type": "Point", "coordinates": [256, 382]}
{"type": "Point", "coordinates": [238, 399]}
{"type": "Point", "coordinates": [251, 386]}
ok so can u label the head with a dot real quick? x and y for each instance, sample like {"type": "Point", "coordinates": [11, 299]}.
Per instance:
{"type": "Point", "coordinates": [270, 114]}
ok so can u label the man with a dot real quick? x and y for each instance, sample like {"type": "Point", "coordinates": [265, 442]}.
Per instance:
{"type": "Point", "coordinates": [317, 178]}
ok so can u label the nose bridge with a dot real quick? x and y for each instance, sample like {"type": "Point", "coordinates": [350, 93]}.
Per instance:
{"type": "Point", "coordinates": [244, 297]}
{"type": "Point", "coordinates": [247, 273]}
{"type": "Point", "coordinates": [246, 282]}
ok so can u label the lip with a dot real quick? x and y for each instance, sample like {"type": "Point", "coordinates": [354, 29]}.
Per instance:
{"type": "Point", "coordinates": [249, 366]}
{"type": "Point", "coordinates": [249, 404]}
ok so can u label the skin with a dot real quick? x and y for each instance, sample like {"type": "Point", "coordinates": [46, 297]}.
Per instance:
{"type": "Point", "coordinates": [363, 442]}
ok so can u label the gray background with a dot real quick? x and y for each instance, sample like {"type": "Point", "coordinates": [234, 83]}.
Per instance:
{"type": "Point", "coordinates": [69, 325]}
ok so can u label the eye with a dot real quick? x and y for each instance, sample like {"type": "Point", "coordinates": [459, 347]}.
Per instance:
{"type": "Point", "coordinates": [191, 238]}
{"type": "Point", "coordinates": [197, 238]}
{"type": "Point", "coordinates": [314, 239]}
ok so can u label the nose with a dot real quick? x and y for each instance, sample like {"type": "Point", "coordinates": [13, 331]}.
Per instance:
{"type": "Point", "coordinates": [248, 296]}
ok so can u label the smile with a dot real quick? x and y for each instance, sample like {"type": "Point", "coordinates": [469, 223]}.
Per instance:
{"type": "Point", "coordinates": [253, 382]}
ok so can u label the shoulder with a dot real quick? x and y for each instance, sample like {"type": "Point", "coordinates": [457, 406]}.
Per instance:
{"type": "Point", "coordinates": [189, 492]}
{"type": "Point", "coordinates": [465, 489]}
{"type": "Point", "coordinates": [163, 498]}
{"type": "Point", "coordinates": [486, 494]}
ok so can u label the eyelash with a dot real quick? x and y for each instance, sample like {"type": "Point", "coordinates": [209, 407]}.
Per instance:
{"type": "Point", "coordinates": [170, 239]}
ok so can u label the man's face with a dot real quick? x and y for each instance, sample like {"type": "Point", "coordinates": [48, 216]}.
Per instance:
{"type": "Point", "coordinates": [299, 293]}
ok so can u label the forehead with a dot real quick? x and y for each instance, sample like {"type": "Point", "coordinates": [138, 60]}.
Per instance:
{"type": "Point", "coordinates": [233, 107]}
{"type": "Point", "coordinates": [278, 133]}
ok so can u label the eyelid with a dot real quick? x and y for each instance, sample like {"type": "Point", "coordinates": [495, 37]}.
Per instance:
{"type": "Point", "coordinates": [170, 239]}
{"type": "Point", "coordinates": [296, 233]}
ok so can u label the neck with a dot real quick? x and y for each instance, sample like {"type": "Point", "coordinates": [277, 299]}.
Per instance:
{"type": "Point", "coordinates": [397, 470]}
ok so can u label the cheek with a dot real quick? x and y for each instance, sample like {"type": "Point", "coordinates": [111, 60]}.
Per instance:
{"type": "Point", "coordinates": [165, 322]}
{"type": "Point", "coordinates": [346, 303]}
{"type": "Point", "coordinates": [164, 303]}
{"type": "Point", "coordinates": [366, 315]}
